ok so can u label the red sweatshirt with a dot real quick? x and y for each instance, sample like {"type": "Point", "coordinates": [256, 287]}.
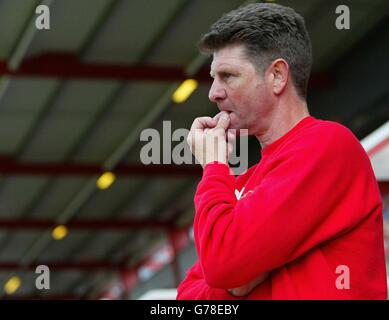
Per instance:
{"type": "Point", "coordinates": [310, 212]}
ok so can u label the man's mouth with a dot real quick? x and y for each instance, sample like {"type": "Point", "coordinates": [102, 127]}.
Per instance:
{"type": "Point", "coordinates": [225, 110]}
{"type": "Point", "coordinates": [222, 108]}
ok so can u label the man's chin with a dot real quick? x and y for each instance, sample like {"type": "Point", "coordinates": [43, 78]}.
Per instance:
{"type": "Point", "coordinates": [238, 130]}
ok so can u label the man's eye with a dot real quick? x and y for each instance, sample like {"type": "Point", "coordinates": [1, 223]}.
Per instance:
{"type": "Point", "coordinates": [226, 76]}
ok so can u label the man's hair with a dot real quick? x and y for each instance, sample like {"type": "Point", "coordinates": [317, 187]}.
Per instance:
{"type": "Point", "coordinates": [268, 31]}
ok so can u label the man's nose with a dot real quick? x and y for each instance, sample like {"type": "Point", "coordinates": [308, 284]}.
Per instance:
{"type": "Point", "coordinates": [216, 93]}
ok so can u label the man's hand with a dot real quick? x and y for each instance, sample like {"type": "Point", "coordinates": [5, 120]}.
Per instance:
{"type": "Point", "coordinates": [246, 289]}
{"type": "Point", "coordinates": [207, 139]}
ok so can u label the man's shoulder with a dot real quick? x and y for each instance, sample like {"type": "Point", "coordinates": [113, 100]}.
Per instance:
{"type": "Point", "coordinates": [325, 127]}
{"type": "Point", "coordinates": [326, 138]}
{"type": "Point", "coordinates": [331, 133]}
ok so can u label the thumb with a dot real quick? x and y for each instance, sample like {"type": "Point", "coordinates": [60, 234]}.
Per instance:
{"type": "Point", "coordinates": [224, 121]}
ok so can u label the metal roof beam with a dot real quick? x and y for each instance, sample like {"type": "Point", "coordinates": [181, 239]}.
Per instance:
{"type": "Point", "coordinates": [384, 187]}
{"type": "Point", "coordinates": [69, 66]}
{"type": "Point", "coordinates": [96, 224]}
{"type": "Point", "coordinates": [72, 169]}
{"type": "Point", "coordinates": [87, 265]}
{"type": "Point", "coordinates": [43, 297]}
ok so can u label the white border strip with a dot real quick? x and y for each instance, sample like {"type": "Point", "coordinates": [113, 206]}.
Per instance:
{"type": "Point", "coordinates": [375, 137]}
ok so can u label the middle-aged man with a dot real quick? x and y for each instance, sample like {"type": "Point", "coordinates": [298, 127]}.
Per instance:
{"type": "Point", "coordinates": [306, 221]}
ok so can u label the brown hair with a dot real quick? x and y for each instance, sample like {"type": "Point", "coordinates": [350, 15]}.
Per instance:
{"type": "Point", "coordinates": [268, 31]}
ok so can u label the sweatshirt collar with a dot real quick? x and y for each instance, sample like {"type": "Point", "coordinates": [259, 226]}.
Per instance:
{"type": "Point", "coordinates": [269, 149]}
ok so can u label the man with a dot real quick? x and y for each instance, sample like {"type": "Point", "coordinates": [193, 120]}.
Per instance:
{"type": "Point", "coordinates": [306, 221]}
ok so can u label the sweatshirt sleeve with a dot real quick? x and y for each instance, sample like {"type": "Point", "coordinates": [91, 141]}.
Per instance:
{"type": "Point", "coordinates": [194, 287]}
{"type": "Point", "coordinates": [310, 194]}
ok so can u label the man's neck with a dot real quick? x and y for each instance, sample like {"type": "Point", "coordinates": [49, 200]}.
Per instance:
{"type": "Point", "coordinates": [282, 122]}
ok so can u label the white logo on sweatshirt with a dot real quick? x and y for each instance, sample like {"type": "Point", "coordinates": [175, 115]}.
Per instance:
{"type": "Point", "coordinates": [238, 194]}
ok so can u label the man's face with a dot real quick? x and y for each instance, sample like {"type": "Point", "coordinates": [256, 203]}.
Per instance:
{"type": "Point", "coordinates": [238, 89]}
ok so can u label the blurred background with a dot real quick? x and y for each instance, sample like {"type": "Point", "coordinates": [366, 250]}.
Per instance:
{"type": "Point", "coordinates": [74, 99]}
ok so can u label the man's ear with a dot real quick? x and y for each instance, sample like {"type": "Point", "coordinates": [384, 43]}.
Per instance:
{"type": "Point", "coordinates": [279, 70]}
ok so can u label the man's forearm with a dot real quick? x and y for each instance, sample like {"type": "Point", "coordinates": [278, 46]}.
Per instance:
{"type": "Point", "coordinates": [246, 289]}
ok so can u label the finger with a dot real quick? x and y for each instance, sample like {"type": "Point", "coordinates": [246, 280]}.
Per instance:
{"type": "Point", "coordinates": [231, 135]}
{"type": "Point", "coordinates": [230, 148]}
{"type": "Point", "coordinates": [238, 292]}
{"type": "Point", "coordinates": [217, 116]}
{"type": "Point", "coordinates": [203, 122]}
{"type": "Point", "coordinates": [224, 121]}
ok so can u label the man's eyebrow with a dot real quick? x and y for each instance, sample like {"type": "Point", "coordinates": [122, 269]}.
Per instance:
{"type": "Point", "coordinates": [219, 71]}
